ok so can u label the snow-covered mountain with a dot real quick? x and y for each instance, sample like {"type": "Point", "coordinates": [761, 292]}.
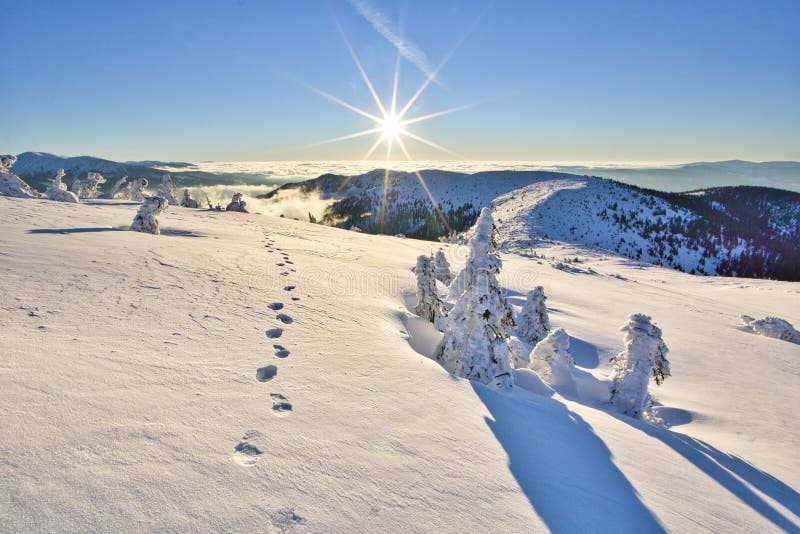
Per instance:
{"type": "Point", "coordinates": [243, 372]}
{"type": "Point", "coordinates": [741, 231]}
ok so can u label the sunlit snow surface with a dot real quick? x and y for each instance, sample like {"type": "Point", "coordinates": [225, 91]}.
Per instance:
{"type": "Point", "coordinates": [247, 372]}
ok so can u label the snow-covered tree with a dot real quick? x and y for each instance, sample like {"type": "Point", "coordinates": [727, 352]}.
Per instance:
{"type": "Point", "coordinates": [645, 356]}
{"type": "Point", "coordinates": [119, 185]}
{"type": "Point", "coordinates": [188, 201]}
{"type": "Point", "coordinates": [12, 185]}
{"type": "Point", "coordinates": [137, 190]}
{"type": "Point", "coordinates": [474, 344]}
{"type": "Point", "coordinates": [167, 190]}
{"type": "Point", "coordinates": [57, 190]}
{"type": "Point", "coordinates": [441, 268]}
{"type": "Point", "coordinates": [145, 220]}
{"type": "Point", "coordinates": [482, 255]}
{"type": "Point", "coordinates": [533, 322]}
{"type": "Point", "coordinates": [88, 187]}
{"type": "Point", "coordinates": [429, 305]}
{"type": "Point", "coordinates": [237, 204]}
{"type": "Point", "coordinates": [552, 360]}
{"type": "Point", "coordinates": [773, 327]}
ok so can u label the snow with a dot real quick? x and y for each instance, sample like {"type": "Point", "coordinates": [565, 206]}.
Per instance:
{"type": "Point", "coordinates": [774, 327]}
{"type": "Point", "coordinates": [11, 184]}
{"type": "Point", "coordinates": [132, 398]}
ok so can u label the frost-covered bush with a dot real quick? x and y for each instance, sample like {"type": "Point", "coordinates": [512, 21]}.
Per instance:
{"type": "Point", "coordinates": [533, 322]}
{"type": "Point", "coordinates": [188, 201]}
{"type": "Point", "coordinates": [167, 190]}
{"type": "Point", "coordinates": [145, 220]}
{"type": "Point", "coordinates": [237, 204]}
{"type": "Point", "coordinates": [474, 344]}
{"type": "Point", "coordinates": [773, 327]}
{"type": "Point", "coordinates": [12, 185]}
{"type": "Point", "coordinates": [441, 268]}
{"type": "Point", "coordinates": [119, 186]}
{"type": "Point", "coordinates": [429, 305]}
{"type": "Point", "coordinates": [552, 360]}
{"type": "Point", "coordinates": [519, 352]}
{"type": "Point", "coordinates": [645, 356]}
{"type": "Point", "coordinates": [57, 190]}
{"type": "Point", "coordinates": [88, 187]}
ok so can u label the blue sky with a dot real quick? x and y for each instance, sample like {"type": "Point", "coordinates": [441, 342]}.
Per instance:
{"type": "Point", "coordinates": [556, 81]}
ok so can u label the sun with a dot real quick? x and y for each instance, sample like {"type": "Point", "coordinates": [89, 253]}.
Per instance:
{"type": "Point", "coordinates": [392, 127]}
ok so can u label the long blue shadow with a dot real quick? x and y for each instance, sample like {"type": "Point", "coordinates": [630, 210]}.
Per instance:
{"type": "Point", "coordinates": [727, 470]}
{"type": "Point", "coordinates": [73, 230]}
{"type": "Point", "coordinates": [564, 468]}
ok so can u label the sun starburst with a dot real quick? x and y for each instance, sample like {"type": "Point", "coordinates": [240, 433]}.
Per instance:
{"type": "Point", "coordinates": [390, 124]}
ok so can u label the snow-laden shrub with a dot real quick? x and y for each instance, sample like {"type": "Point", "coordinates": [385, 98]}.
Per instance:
{"type": "Point", "coordinates": [237, 204]}
{"type": "Point", "coordinates": [474, 344]}
{"type": "Point", "coordinates": [188, 201]}
{"type": "Point", "coordinates": [145, 220]}
{"type": "Point", "coordinates": [441, 268]}
{"type": "Point", "coordinates": [89, 186]}
{"type": "Point", "coordinates": [519, 352]}
{"type": "Point", "coordinates": [533, 323]}
{"type": "Point", "coordinates": [773, 327]}
{"type": "Point", "coordinates": [12, 185]}
{"type": "Point", "coordinates": [114, 191]}
{"type": "Point", "coordinates": [645, 356]}
{"type": "Point", "coordinates": [167, 190]}
{"type": "Point", "coordinates": [57, 190]}
{"type": "Point", "coordinates": [429, 305]}
{"type": "Point", "coordinates": [552, 360]}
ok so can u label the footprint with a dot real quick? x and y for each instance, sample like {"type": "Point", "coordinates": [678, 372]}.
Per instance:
{"type": "Point", "coordinates": [275, 306]}
{"type": "Point", "coordinates": [289, 288]}
{"type": "Point", "coordinates": [285, 273]}
{"type": "Point", "coordinates": [280, 264]}
{"type": "Point", "coordinates": [246, 453]}
{"type": "Point", "coordinates": [265, 374]}
{"type": "Point", "coordinates": [285, 319]}
{"type": "Point", "coordinates": [287, 261]}
{"type": "Point", "coordinates": [273, 333]}
{"type": "Point", "coordinates": [280, 405]}
{"type": "Point", "coordinates": [280, 351]}
{"type": "Point", "coordinates": [295, 298]}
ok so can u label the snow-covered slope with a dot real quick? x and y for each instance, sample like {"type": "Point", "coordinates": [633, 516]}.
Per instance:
{"type": "Point", "coordinates": [243, 372]}
{"type": "Point", "coordinates": [742, 231]}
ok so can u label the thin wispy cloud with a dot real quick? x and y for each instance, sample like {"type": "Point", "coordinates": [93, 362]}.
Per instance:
{"type": "Point", "coordinates": [385, 28]}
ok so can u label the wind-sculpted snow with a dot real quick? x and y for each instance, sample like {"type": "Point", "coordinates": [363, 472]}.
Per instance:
{"type": "Point", "coordinates": [139, 366]}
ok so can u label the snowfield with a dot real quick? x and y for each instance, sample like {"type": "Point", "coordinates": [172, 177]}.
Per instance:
{"type": "Point", "coordinates": [247, 372]}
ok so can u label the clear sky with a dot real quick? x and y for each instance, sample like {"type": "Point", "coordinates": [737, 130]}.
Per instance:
{"type": "Point", "coordinates": [569, 81]}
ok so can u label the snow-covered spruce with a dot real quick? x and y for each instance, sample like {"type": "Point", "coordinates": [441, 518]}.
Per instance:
{"type": "Point", "coordinates": [533, 322]}
{"type": "Point", "coordinates": [519, 352]}
{"type": "Point", "coordinates": [429, 305]}
{"type": "Point", "coordinates": [118, 186]}
{"type": "Point", "coordinates": [237, 204]}
{"type": "Point", "coordinates": [645, 355]}
{"type": "Point", "coordinates": [12, 185]}
{"type": "Point", "coordinates": [188, 201]}
{"type": "Point", "coordinates": [552, 360]}
{"type": "Point", "coordinates": [167, 190]}
{"type": "Point", "coordinates": [474, 344]}
{"type": "Point", "coordinates": [145, 220]}
{"type": "Point", "coordinates": [441, 268]}
{"type": "Point", "coordinates": [482, 255]}
{"type": "Point", "coordinates": [136, 192]}
{"type": "Point", "coordinates": [57, 190]}
{"type": "Point", "coordinates": [88, 187]}
{"type": "Point", "coordinates": [773, 327]}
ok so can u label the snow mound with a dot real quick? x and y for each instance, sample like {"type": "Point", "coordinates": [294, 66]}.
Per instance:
{"type": "Point", "coordinates": [773, 327]}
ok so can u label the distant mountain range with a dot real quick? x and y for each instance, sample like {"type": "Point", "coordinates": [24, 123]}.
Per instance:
{"type": "Point", "coordinates": [739, 230]}
{"type": "Point", "coordinates": [37, 168]}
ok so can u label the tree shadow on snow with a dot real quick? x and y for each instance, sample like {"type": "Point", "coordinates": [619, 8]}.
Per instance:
{"type": "Point", "coordinates": [564, 468]}
{"type": "Point", "coordinates": [76, 230]}
{"type": "Point", "coordinates": [729, 471]}
{"type": "Point", "coordinates": [584, 353]}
